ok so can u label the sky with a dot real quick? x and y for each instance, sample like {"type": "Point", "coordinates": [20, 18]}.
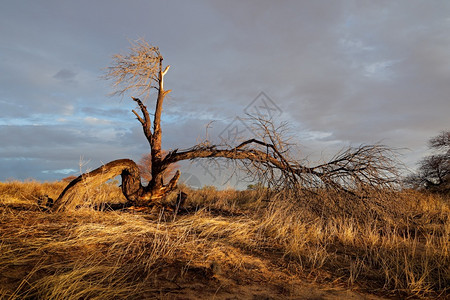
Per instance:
{"type": "Point", "coordinates": [339, 73]}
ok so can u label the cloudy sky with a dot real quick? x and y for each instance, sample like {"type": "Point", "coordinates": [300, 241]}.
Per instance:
{"type": "Point", "coordinates": [339, 72]}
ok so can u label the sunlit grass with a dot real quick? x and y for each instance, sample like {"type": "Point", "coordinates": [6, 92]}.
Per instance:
{"type": "Point", "coordinates": [391, 243]}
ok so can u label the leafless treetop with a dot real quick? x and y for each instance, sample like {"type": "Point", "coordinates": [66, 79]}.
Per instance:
{"type": "Point", "coordinates": [137, 71]}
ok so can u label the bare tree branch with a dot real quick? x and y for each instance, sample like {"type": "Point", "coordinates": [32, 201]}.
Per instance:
{"type": "Point", "coordinates": [146, 122]}
{"type": "Point", "coordinates": [137, 72]}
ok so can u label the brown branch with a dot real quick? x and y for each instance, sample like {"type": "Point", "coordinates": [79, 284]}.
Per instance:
{"type": "Point", "coordinates": [138, 117]}
{"type": "Point", "coordinates": [146, 122]}
{"type": "Point", "coordinates": [157, 168]}
{"type": "Point", "coordinates": [360, 168]}
{"type": "Point", "coordinates": [234, 153]}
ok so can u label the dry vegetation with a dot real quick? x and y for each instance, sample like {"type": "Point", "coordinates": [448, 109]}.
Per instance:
{"type": "Point", "coordinates": [225, 245]}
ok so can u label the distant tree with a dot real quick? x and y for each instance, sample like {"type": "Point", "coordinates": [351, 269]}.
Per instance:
{"type": "Point", "coordinates": [266, 156]}
{"type": "Point", "coordinates": [433, 173]}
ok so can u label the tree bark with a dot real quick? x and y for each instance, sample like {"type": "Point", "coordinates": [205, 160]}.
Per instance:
{"type": "Point", "coordinates": [126, 168]}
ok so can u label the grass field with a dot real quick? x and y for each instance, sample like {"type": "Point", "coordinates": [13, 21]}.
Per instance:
{"type": "Point", "coordinates": [225, 245]}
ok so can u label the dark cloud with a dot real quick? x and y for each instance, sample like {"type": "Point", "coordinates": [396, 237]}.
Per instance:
{"type": "Point", "coordinates": [65, 74]}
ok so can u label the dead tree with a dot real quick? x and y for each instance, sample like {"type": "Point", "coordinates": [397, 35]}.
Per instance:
{"type": "Point", "coordinates": [139, 72]}
{"type": "Point", "coordinates": [266, 156]}
{"type": "Point", "coordinates": [433, 173]}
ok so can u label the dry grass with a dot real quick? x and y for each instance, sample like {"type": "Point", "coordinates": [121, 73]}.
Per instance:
{"type": "Point", "coordinates": [400, 249]}
{"type": "Point", "coordinates": [231, 244]}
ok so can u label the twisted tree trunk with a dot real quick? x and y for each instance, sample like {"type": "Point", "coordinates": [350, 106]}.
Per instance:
{"type": "Point", "coordinates": [126, 168]}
